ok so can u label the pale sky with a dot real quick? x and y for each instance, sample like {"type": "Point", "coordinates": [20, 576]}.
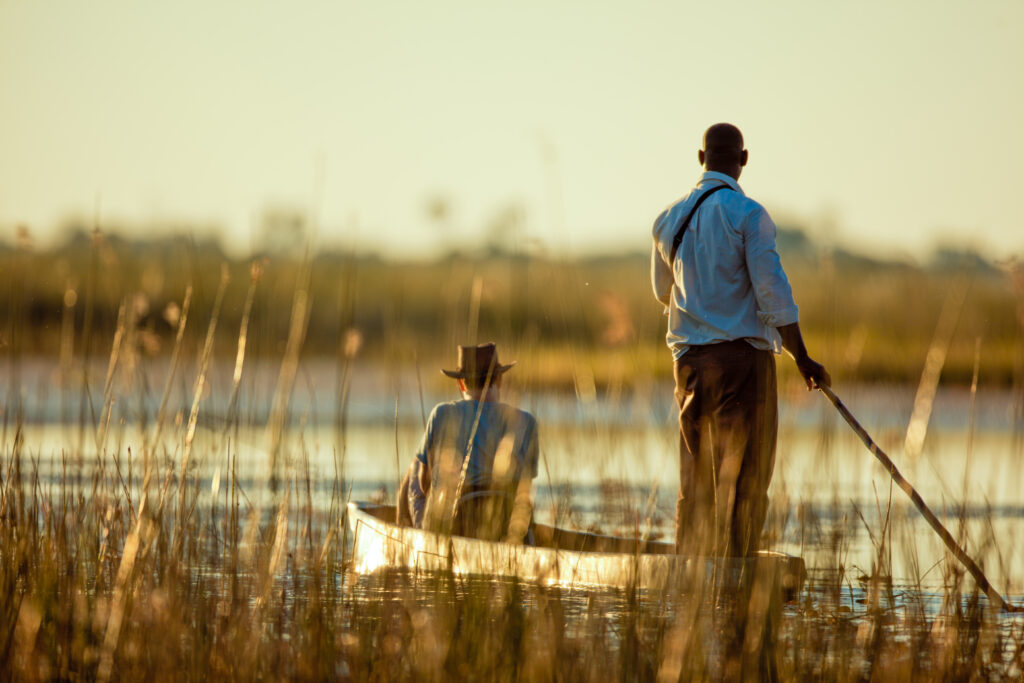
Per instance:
{"type": "Point", "coordinates": [887, 126]}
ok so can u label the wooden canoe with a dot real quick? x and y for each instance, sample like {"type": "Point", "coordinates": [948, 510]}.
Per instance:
{"type": "Point", "coordinates": [558, 557]}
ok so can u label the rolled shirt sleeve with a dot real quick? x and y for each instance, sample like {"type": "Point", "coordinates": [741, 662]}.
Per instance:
{"type": "Point", "coordinates": [775, 304]}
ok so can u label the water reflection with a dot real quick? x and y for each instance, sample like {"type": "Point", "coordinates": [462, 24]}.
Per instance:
{"type": "Point", "coordinates": [607, 464]}
{"type": "Point", "coordinates": [615, 617]}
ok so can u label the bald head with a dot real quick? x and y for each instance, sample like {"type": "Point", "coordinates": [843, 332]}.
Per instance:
{"type": "Point", "coordinates": [723, 150]}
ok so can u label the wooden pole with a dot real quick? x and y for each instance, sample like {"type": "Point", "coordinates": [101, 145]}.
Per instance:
{"type": "Point", "coordinates": [943, 533]}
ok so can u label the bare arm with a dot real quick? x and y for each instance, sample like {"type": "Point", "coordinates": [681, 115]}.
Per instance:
{"type": "Point", "coordinates": [417, 499]}
{"type": "Point", "coordinates": [522, 512]}
{"type": "Point", "coordinates": [814, 373]}
{"type": "Point", "coordinates": [522, 504]}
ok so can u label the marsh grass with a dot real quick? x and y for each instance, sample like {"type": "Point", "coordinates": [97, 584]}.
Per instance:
{"type": "Point", "coordinates": [124, 563]}
{"type": "Point", "coordinates": [590, 320]}
{"type": "Point", "coordinates": [93, 590]}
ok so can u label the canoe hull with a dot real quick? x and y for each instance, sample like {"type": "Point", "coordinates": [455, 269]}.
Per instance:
{"type": "Point", "coordinates": [380, 544]}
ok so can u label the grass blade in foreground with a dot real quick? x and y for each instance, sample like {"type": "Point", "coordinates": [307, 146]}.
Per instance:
{"type": "Point", "coordinates": [943, 533]}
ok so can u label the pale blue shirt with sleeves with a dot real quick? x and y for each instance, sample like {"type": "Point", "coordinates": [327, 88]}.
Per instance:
{"type": "Point", "coordinates": [501, 444]}
{"type": "Point", "coordinates": [727, 280]}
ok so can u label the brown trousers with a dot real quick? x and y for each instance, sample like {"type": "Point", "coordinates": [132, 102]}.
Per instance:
{"type": "Point", "coordinates": [728, 423]}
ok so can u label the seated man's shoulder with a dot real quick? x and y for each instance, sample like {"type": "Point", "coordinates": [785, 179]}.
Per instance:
{"type": "Point", "coordinates": [445, 410]}
{"type": "Point", "coordinates": [524, 416]}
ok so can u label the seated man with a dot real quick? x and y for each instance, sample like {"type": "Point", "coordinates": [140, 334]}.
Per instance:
{"type": "Point", "coordinates": [474, 469]}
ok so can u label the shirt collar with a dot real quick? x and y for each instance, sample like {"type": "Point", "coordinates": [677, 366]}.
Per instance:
{"type": "Point", "coordinates": [715, 175]}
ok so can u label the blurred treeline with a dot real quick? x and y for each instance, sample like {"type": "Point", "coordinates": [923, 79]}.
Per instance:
{"type": "Point", "coordinates": [590, 319]}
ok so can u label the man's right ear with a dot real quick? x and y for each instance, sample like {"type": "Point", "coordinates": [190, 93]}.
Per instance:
{"type": "Point", "coordinates": [743, 158]}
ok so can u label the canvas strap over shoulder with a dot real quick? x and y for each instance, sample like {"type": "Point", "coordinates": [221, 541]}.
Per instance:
{"type": "Point", "coordinates": [678, 239]}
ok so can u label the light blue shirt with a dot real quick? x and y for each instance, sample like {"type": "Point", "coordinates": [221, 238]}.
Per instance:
{"type": "Point", "coordinates": [727, 280]}
{"type": "Point", "coordinates": [499, 446]}
{"type": "Point", "coordinates": [504, 442]}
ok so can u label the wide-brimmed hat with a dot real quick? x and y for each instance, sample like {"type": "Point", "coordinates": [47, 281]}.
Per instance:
{"type": "Point", "coordinates": [478, 361]}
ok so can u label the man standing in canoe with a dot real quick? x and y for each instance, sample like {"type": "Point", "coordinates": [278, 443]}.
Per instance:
{"type": "Point", "coordinates": [715, 267]}
{"type": "Point", "coordinates": [474, 470]}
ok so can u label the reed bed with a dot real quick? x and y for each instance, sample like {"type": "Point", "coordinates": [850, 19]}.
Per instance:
{"type": "Point", "coordinates": [140, 552]}
{"type": "Point", "coordinates": [101, 581]}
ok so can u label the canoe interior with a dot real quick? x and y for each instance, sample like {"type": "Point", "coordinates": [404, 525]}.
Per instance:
{"type": "Point", "coordinates": [545, 536]}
